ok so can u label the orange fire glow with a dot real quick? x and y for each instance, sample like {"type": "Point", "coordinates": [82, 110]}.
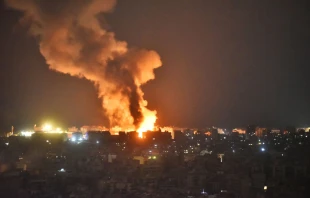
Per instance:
{"type": "Point", "coordinates": [117, 70]}
{"type": "Point", "coordinates": [148, 123]}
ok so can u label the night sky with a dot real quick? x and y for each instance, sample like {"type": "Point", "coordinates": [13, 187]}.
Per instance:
{"type": "Point", "coordinates": [225, 63]}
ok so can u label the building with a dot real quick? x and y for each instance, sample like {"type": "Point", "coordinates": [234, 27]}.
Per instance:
{"type": "Point", "coordinates": [260, 131]}
{"type": "Point", "coordinates": [239, 130]}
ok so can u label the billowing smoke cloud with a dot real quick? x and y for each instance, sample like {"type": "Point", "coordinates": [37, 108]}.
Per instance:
{"type": "Point", "coordinates": [73, 41]}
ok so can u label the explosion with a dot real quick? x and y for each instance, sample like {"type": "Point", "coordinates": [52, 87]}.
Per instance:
{"type": "Point", "coordinates": [73, 41]}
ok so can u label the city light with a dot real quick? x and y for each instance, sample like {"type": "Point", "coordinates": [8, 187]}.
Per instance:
{"type": "Point", "coordinates": [262, 149]}
{"type": "Point", "coordinates": [26, 133]}
{"type": "Point", "coordinates": [203, 192]}
{"type": "Point", "coordinates": [265, 188]}
{"type": "Point", "coordinates": [223, 191]}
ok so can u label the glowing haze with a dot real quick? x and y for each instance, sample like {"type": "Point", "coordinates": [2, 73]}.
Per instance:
{"type": "Point", "coordinates": [73, 41]}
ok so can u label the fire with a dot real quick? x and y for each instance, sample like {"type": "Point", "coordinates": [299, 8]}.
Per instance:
{"type": "Point", "coordinates": [76, 43]}
{"type": "Point", "coordinates": [148, 123]}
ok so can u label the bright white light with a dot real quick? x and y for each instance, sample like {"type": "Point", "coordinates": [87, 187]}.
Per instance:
{"type": "Point", "coordinates": [97, 142]}
{"type": "Point", "coordinates": [47, 127]}
{"type": "Point", "coordinates": [263, 149]}
{"type": "Point", "coordinates": [7, 143]}
{"type": "Point", "coordinates": [265, 187]}
{"type": "Point", "coordinates": [73, 139]}
{"type": "Point", "coordinates": [233, 151]}
{"type": "Point", "coordinates": [27, 133]}
{"type": "Point", "coordinates": [47, 141]}
{"type": "Point", "coordinates": [80, 139]}
{"type": "Point", "coordinates": [62, 170]}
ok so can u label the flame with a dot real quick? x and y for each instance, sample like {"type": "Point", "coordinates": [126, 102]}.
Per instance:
{"type": "Point", "coordinates": [166, 129]}
{"type": "Point", "coordinates": [148, 123]}
{"type": "Point", "coordinates": [73, 41]}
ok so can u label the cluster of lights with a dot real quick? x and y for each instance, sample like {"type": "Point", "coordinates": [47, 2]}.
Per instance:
{"type": "Point", "coordinates": [27, 133]}
{"type": "Point", "coordinates": [74, 139]}
{"type": "Point", "coordinates": [46, 128]}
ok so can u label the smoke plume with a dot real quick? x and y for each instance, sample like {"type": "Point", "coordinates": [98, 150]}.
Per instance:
{"type": "Point", "coordinates": [73, 41]}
